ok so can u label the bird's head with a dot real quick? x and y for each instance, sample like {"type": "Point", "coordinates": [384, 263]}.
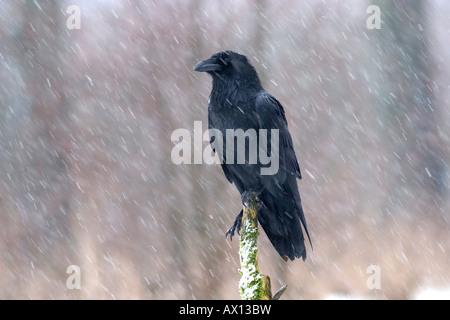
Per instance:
{"type": "Point", "coordinates": [226, 65]}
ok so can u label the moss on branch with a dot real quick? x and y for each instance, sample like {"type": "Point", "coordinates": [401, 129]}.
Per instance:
{"type": "Point", "coordinates": [253, 285]}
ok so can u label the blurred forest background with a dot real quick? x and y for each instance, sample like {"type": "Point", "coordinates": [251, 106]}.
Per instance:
{"type": "Point", "coordinates": [86, 117]}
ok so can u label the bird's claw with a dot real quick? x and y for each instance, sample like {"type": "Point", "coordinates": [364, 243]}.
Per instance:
{"type": "Point", "coordinates": [246, 197]}
{"type": "Point", "coordinates": [236, 226]}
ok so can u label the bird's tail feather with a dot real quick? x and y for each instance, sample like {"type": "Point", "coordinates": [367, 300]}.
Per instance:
{"type": "Point", "coordinates": [283, 226]}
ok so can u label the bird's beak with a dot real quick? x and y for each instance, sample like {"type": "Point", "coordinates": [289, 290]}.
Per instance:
{"type": "Point", "coordinates": [207, 66]}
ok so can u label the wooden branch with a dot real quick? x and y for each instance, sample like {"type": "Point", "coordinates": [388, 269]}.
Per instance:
{"type": "Point", "coordinates": [253, 285]}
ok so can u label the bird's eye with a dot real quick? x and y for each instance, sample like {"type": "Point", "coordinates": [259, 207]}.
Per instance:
{"type": "Point", "coordinates": [224, 58]}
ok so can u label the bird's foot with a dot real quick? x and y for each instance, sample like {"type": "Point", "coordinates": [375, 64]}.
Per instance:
{"type": "Point", "coordinates": [236, 226]}
{"type": "Point", "coordinates": [246, 197]}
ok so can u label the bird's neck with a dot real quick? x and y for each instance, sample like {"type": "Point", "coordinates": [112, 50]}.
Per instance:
{"type": "Point", "coordinates": [232, 91]}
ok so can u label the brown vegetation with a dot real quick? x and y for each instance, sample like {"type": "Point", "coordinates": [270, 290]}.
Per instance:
{"type": "Point", "coordinates": [86, 176]}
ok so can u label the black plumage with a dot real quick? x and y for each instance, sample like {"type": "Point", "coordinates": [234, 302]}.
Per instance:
{"type": "Point", "coordinates": [238, 101]}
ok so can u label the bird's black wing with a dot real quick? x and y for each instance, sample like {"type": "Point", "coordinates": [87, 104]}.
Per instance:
{"type": "Point", "coordinates": [270, 114]}
{"type": "Point", "coordinates": [281, 191]}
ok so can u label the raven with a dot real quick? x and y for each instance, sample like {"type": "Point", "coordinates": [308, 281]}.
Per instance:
{"type": "Point", "coordinates": [238, 101]}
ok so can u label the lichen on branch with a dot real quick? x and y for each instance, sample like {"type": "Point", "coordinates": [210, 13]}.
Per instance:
{"type": "Point", "coordinates": [253, 285]}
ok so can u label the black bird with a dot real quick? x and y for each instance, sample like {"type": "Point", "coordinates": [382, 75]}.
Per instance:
{"type": "Point", "coordinates": [238, 101]}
